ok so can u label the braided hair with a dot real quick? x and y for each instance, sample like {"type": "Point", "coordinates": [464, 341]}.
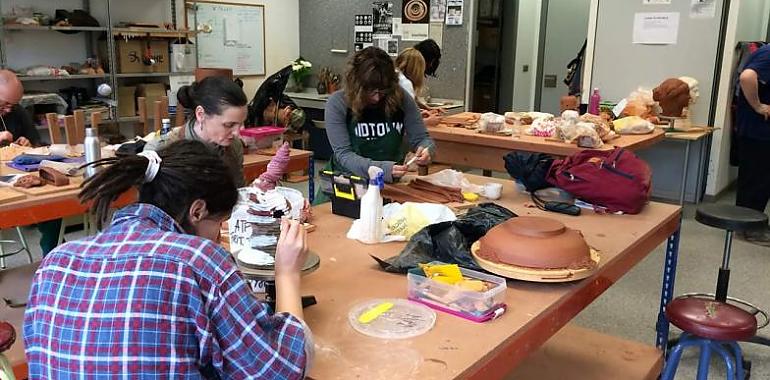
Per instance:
{"type": "Point", "coordinates": [189, 170]}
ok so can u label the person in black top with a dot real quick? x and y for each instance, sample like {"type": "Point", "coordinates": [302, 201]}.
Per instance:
{"type": "Point", "coordinates": [15, 123]}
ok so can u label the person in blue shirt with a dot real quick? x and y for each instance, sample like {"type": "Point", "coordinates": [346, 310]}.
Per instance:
{"type": "Point", "coordinates": [752, 119]}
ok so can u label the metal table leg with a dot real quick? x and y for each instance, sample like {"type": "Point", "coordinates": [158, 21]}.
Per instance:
{"type": "Point", "coordinates": [669, 275]}
{"type": "Point", "coordinates": [683, 190]}
{"type": "Point", "coordinates": [311, 179]}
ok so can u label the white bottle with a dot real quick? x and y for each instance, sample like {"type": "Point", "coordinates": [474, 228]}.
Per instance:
{"type": "Point", "coordinates": [372, 231]}
{"type": "Point", "coordinates": [165, 129]}
{"type": "Point", "coordinates": [93, 151]}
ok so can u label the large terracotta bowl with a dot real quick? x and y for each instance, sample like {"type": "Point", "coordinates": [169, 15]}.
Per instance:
{"type": "Point", "coordinates": [535, 242]}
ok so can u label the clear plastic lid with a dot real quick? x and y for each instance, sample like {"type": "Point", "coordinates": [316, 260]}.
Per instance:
{"type": "Point", "coordinates": [405, 319]}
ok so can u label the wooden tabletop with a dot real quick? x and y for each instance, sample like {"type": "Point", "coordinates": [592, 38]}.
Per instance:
{"type": "Point", "coordinates": [465, 147]}
{"type": "Point", "coordinates": [456, 347]}
{"type": "Point", "coordinates": [538, 144]}
{"type": "Point", "coordinates": [688, 136]}
{"type": "Point", "coordinates": [40, 208]}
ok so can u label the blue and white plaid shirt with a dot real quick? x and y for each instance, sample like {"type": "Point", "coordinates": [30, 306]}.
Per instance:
{"type": "Point", "coordinates": [145, 300]}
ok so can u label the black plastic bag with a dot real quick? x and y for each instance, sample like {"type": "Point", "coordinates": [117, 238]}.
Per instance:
{"type": "Point", "coordinates": [449, 242]}
{"type": "Point", "coordinates": [529, 168]}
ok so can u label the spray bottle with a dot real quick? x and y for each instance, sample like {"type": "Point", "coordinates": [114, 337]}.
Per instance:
{"type": "Point", "coordinates": [372, 231]}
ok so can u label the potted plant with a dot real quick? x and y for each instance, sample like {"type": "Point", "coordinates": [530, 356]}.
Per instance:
{"type": "Point", "coordinates": [300, 69]}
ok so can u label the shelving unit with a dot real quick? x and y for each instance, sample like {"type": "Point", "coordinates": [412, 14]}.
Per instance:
{"type": "Point", "coordinates": [32, 78]}
{"type": "Point", "coordinates": [146, 75]}
{"type": "Point", "coordinates": [113, 78]}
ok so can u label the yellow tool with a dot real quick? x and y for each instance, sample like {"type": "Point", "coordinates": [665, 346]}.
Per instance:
{"type": "Point", "coordinates": [375, 312]}
{"type": "Point", "coordinates": [470, 197]}
{"type": "Point", "coordinates": [447, 274]}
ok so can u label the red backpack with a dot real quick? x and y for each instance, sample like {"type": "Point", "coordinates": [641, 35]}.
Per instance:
{"type": "Point", "coordinates": [614, 179]}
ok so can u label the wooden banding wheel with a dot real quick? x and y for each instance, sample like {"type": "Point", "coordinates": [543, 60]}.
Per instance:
{"type": "Point", "coordinates": [532, 274]}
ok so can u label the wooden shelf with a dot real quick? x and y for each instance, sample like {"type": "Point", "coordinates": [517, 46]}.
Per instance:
{"type": "Point", "coordinates": [581, 354]}
{"type": "Point", "coordinates": [32, 78]}
{"type": "Point", "coordinates": [55, 28]}
{"type": "Point", "coordinates": [152, 32]}
{"type": "Point", "coordinates": [145, 75]}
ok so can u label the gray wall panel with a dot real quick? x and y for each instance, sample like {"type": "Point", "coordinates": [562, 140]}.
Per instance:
{"type": "Point", "coordinates": [327, 24]}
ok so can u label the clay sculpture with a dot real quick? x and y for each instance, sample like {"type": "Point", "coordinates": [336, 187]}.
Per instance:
{"type": "Point", "coordinates": [29, 181]}
{"type": "Point", "coordinates": [53, 176]}
{"type": "Point", "coordinates": [673, 95]}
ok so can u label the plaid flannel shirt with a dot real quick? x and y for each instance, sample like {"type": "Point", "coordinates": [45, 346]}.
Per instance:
{"type": "Point", "coordinates": [144, 300]}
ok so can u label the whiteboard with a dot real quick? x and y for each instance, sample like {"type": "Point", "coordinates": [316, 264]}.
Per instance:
{"type": "Point", "coordinates": [237, 37]}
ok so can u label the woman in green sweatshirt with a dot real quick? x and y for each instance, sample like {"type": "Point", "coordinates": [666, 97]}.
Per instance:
{"type": "Point", "coordinates": [366, 122]}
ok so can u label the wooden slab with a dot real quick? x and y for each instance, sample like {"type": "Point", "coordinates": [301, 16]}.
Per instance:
{"type": "Point", "coordinates": [577, 353]}
{"type": "Point", "coordinates": [48, 189]}
{"type": "Point", "coordinates": [8, 194]}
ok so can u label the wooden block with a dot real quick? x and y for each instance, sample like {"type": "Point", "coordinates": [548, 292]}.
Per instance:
{"type": "Point", "coordinates": [53, 128]}
{"type": "Point", "coordinates": [70, 130]}
{"type": "Point", "coordinates": [577, 353]}
{"type": "Point", "coordinates": [96, 119]}
{"type": "Point", "coordinates": [80, 125]}
{"type": "Point", "coordinates": [48, 189]}
{"type": "Point", "coordinates": [157, 115]}
{"type": "Point", "coordinates": [8, 194]}
{"type": "Point", "coordinates": [179, 117]}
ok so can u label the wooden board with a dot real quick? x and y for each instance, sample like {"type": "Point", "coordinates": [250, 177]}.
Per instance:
{"type": "Point", "coordinates": [535, 275]}
{"type": "Point", "coordinates": [8, 194]}
{"type": "Point", "coordinates": [577, 353]}
{"type": "Point", "coordinates": [48, 189]}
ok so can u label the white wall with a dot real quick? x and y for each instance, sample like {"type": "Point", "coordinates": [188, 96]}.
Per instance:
{"type": "Point", "coordinates": [527, 34]}
{"type": "Point", "coordinates": [747, 22]}
{"type": "Point", "coordinates": [566, 31]}
{"type": "Point", "coordinates": [281, 38]}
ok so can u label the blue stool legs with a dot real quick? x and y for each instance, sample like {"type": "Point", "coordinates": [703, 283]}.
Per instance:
{"type": "Point", "coordinates": [733, 360]}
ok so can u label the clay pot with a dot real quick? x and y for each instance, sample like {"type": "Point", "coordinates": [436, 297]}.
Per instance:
{"type": "Point", "coordinates": [535, 242]}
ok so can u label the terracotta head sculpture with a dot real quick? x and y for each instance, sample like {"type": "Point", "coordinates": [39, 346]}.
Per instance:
{"type": "Point", "coordinates": [673, 95]}
{"type": "Point", "coordinates": [569, 102]}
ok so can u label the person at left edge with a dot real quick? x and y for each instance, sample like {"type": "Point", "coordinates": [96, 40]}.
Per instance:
{"type": "Point", "coordinates": [15, 124]}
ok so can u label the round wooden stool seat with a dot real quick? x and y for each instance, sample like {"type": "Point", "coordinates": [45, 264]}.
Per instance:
{"type": "Point", "coordinates": [711, 319]}
{"type": "Point", "coordinates": [7, 336]}
{"type": "Point", "coordinates": [731, 218]}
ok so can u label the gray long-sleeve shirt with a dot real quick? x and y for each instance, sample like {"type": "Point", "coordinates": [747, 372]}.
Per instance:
{"type": "Point", "coordinates": [375, 139]}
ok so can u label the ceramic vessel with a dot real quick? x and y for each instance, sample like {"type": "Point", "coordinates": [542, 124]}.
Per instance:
{"type": "Point", "coordinates": [535, 242]}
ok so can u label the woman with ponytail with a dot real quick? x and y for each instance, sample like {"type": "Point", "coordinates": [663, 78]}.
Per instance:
{"type": "Point", "coordinates": [153, 295]}
{"type": "Point", "coordinates": [218, 111]}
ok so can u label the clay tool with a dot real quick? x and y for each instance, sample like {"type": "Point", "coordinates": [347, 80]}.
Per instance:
{"type": "Point", "coordinates": [375, 312]}
{"type": "Point", "coordinates": [411, 161]}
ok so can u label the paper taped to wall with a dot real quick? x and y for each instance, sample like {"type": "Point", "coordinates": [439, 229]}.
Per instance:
{"type": "Point", "coordinates": [659, 28]}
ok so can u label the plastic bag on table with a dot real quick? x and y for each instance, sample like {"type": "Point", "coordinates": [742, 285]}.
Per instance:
{"type": "Point", "coordinates": [452, 178]}
{"type": "Point", "coordinates": [531, 169]}
{"type": "Point", "coordinates": [633, 125]}
{"type": "Point", "coordinates": [406, 219]}
{"type": "Point", "coordinates": [586, 136]}
{"type": "Point", "coordinates": [449, 242]}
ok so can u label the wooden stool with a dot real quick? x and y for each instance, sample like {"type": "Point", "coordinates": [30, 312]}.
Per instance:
{"type": "Point", "coordinates": [708, 320]}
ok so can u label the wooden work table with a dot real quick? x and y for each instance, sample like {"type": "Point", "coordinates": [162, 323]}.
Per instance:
{"type": "Point", "coordinates": [457, 348]}
{"type": "Point", "coordinates": [40, 208]}
{"type": "Point", "coordinates": [465, 147]}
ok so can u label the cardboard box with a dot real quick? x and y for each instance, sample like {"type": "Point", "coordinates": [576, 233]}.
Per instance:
{"type": "Point", "coordinates": [126, 100]}
{"type": "Point", "coordinates": [151, 92]}
{"type": "Point", "coordinates": [130, 56]}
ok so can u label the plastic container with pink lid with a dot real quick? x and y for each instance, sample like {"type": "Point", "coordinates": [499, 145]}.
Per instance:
{"type": "Point", "coordinates": [261, 137]}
